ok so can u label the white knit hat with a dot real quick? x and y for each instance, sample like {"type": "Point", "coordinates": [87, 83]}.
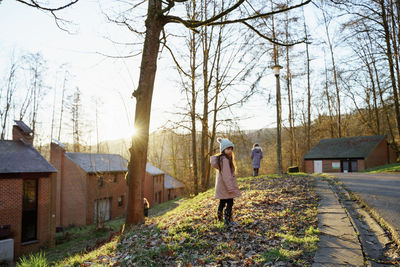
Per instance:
{"type": "Point", "coordinates": [224, 143]}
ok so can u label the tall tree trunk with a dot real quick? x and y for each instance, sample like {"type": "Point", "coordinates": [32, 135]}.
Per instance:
{"type": "Point", "coordinates": [380, 93]}
{"type": "Point", "coordinates": [376, 111]}
{"type": "Point", "coordinates": [328, 100]}
{"type": "Point", "coordinates": [9, 98]}
{"type": "Point", "coordinates": [204, 129]}
{"type": "Point", "coordinates": [62, 107]}
{"type": "Point", "coordinates": [217, 92]}
{"type": "Point", "coordinates": [389, 56]}
{"type": "Point", "coordinates": [54, 111]}
{"type": "Point", "coordinates": [395, 43]}
{"type": "Point", "coordinates": [308, 136]}
{"type": "Point", "coordinates": [335, 80]}
{"type": "Point", "coordinates": [143, 95]}
{"type": "Point", "coordinates": [193, 105]}
{"type": "Point", "coordinates": [288, 85]}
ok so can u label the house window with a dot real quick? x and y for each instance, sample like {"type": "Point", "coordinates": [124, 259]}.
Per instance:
{"type": "Point", "coordinates": [121, 201]}
{"type": "Point", "coordinates": [101, 181]}
{"type": "Point", "coordinates": [115, 178]}
{"type": "Point", "coordinates": [29, 210]}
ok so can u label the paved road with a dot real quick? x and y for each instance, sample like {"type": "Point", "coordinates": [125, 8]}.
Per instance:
{"type": "Point", "coordinates": [379, 191]}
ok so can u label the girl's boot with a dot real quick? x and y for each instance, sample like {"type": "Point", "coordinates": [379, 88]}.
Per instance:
{"type": "Point", "coordinates": [228, 219]}
{"type": "Point", "coordinates": [220, 216]}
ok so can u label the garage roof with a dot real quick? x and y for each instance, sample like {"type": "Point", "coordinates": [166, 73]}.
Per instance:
{"type": "Point", "coordinates": [343, 148]}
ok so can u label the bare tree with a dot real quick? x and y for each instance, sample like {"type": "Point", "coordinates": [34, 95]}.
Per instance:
{"type": "Point", "coordinates": [334, 68]}
{"type": "Point", "coordinates": [75, 109]}
{"type": "Point", "coordinates": [308, 136]}
{"type": "Point", "coordinates": [53, 10]}
{"type": "Point", "coordinates": [157, 17]}
{"type": "Point", "coordinates": [6, 104]}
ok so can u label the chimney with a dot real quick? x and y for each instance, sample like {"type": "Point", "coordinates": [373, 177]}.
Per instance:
{"type": "Point", "coordinates": [21, 132]}
{"type": "Point", "coordinates": [57, 150]}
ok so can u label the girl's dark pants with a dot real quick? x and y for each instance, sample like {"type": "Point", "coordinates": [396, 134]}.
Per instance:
{"type": "Point", "coordinates": [228, 210]}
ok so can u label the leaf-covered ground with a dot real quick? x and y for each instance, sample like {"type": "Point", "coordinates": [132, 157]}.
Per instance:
{"type": "Point", "coordinates": [277, 220]}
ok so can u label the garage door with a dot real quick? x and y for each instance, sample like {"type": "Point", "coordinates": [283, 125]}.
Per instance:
{"type": "Point", "coordinates": [102, 209]}
{"type": "Point", "coordinates": [317, 166]}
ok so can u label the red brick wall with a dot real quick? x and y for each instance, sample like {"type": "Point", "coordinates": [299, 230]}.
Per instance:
{"type": "Point", "coordinates": [327, 165]}
{"type": "Point", "coordinates": [379, 156]}
{"type": "Point", "coordinates": [77, 191]}
{"type": "Point", "coordinates": [108, 190]}
{"type": "Point", "coordinates": [361, 164]}
{"type": "Point", "coordinates": [174, 193]}
{"type": "Point", "coordinates": [148, 188]}
{"type": "Point", "coordinates": [308, 166]}
{"type": "Point", "coordinates": [158, 182]}
{"type": "Point", "coordinates": [153, 185]}
{"type": "Point", "coordinates": [11, 208]}
{"type": "Point", "coordinates": [11, 213]}
{"type": "Point", "coordinates": [73, 194]}
{"type": "Point", "coordinates": [56, 159]}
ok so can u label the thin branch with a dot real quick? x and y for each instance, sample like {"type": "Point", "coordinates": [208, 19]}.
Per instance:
{"type": "Point", "coordinates": [127, 56]}
{"type": "Point", "coordinates": [270, 39]}
{"type": "Point", "coordinates": [213, 20]}
{"type": "Point", "coordinates": [34, 4]}
{"type": "Point", "coordinates": [175, 60]}
{"type": "Point", "coordinates": [191, 24]}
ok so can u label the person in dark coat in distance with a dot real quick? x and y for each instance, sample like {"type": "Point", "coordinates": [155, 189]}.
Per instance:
{"type": "Point", "coordinates": [256, 156]}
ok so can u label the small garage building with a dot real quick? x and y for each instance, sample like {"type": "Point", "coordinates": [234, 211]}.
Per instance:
{"type": "Point", "coordinates": [349, 154]}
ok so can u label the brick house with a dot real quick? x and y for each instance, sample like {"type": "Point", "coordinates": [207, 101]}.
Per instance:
{"type": "Point", "coordinates": [349, 154]}
{"type": "Point", "coordinates": [89, 186]}
{"type": "Point", "coordinates": [160, 187]}
{"type": "Point", "coordinates": [173, 188]}
{"type": "Point", "coordinates": [27, 196]}
{"type": "Point", "coordinates": [154, 185]}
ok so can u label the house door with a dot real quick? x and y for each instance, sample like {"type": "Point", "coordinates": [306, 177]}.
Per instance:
{"type": "Point", "coordinates": [346, 166]}
{"type": "Point", "coordinates": [317, 166]}
{"type": "Point", "coordinates": [102, 209]}
{"type": "Point", "coordinates": [350, 165]}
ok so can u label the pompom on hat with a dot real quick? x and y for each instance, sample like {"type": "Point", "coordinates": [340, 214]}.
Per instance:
{"type": "Point", "coordinates": [224, 143]}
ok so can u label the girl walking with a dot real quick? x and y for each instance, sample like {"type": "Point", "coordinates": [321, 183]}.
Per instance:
{"type": "Point", "coordinates": [226, 187]}
{"type": "Point", "coordinates": [256, 156]}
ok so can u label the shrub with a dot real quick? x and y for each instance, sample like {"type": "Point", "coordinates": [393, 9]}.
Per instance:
{"type": "Point", "coordinates": [293, 169]}
{"type": "Point", "coordinates": [33, 260]}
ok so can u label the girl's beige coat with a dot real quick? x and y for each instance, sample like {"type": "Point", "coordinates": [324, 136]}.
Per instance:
{"type": "Point", "coordinates": [226, 180]}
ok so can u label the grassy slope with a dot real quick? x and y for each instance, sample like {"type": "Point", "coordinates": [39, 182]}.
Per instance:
{"type": "Point", "coordinates": [277, 219]}
{"type": "Point", "coordinates": [73, 242]}
{"type": "Point", "coordinates": [395, 167]}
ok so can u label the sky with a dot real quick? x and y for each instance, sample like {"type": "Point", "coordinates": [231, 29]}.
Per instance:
{"type": "Point", "coordinates": [110, 81]}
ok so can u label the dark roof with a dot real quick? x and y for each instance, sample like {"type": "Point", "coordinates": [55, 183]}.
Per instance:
{"type": "Point", "coordinates": [25, 128]}
{"type": "Point", "coordinates": [342, 148]}
{"type": "Point", "coordinates": [91, 162]}
{"type": "Point", "coordinates": [19, 157]}
{"type": "Point", "coordinates": [170, 182]}
{"type": "Point", "coordinates": [153, 170]}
